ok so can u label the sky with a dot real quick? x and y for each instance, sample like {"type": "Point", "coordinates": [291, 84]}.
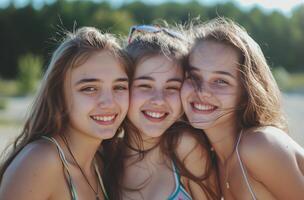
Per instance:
{"type": "Point", "coordinates": [285, 6]}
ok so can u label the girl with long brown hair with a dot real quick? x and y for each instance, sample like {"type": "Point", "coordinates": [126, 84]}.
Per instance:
{"type": "Point", "coordinates": [232, 96]}
{"type": "Point", "coordinates": [82, 100]}
{"type": "Point", "coordinates": [158, 157]}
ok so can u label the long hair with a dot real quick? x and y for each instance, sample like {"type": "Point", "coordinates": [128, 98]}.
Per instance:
{"type": "Point", "coordinates": [49, 114]}
{"type": "Point", "coordinates": [141, 47]}
{"type": "Point", "coordinates": [261, 103]}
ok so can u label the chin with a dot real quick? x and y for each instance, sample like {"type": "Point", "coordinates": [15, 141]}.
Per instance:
{"type": "Point", "coordinates": [106, 134]}
{"type": "Point", "coordinates": [197, 123]}
{"type": "Point", "coordinates": [153, 135]}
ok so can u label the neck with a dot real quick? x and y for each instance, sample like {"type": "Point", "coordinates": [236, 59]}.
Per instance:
{"type": "Point", "coordinates": [143, 142]}
{"type": "Point", "coordinates": [223, 139]}
{"type": "Point", "coordinates": [82, 147]}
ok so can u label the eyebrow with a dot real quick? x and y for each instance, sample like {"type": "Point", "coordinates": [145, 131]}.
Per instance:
{"type": "Point", "coordinates": [90, 80]}
{"type": "Point", "coordinates": [175, 80]}
{"type": "Point", "coordinates": [152, 79]}
{"type": "Point", "coordinates": [144, 78]}
{"type": "Point", "coordinates": [225, 73]}
{"type": "Point", "coordinates": [192, 68]}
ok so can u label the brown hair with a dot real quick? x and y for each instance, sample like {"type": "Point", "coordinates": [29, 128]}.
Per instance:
{"type": "Point", "coordinates": [49, 114]}
{"type": "Point", "coordinates": [262, 99]}
{"type": "Point", "coordinates": [141, 47]}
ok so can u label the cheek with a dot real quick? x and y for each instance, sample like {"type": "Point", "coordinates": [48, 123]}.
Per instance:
{"type": "Point", "coordinates": [78, 102]}
{"type": "Point", "coordinates": [137, 98]}
{"type": "Point", "coordinates": [122, 99]}
{"type": "Point", "coordinates": [186, 90]}
{"type": "Point", "coordinates": [175, 102]}
{"type": "Point", "coordinates": [229, 101]}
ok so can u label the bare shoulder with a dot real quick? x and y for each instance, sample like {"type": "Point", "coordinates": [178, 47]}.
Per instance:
{"type": "Point", "coordinates": [192, 150]}
{"type": "Point", "coordinates": [36, 164]}
{"type": "Point", "coordinates": [272, 158]}
{"type": "Point", "coordinates": [264, 140]}
{"type": "Point", "coordinates": [191, 142]}
{"type": "Point", "coordinates": [37, 154]}
{"type": "Point", "coordinates": [268, 145]}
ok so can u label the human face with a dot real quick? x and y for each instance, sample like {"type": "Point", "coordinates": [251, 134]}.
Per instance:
{"type": "Point", "coordinates": [97, 96]}
{"type": "Point", "coordinates": [216, 66]}
{"type": "Point", "coordinates": [155, 96]}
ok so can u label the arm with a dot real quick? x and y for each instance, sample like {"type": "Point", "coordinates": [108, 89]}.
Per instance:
{"type": "Point", "coordinates": [32, 174]}
{"type": "Point", "coordinates": [273, 158]}
{"type": "Point", "coordinates": [195, 158]}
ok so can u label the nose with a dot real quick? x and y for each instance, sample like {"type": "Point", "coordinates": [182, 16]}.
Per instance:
{"type": "Point", "coordinates": [158, 97]}
{"type": "Point", "coordinates": [204, 91]}
{"type": "Point", "coordinates": [106, 98]}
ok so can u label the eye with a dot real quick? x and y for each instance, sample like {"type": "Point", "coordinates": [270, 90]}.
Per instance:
{"type": "Point", "coordinates": [89, 89]}
{"type": "Point", "coordinates": [193, 77]}
{"type": "Point", "coordinates": [174, 87]}
{"type": "Point", "coordinates": [221, 82]}
{"type": "Point", "coordinates": [144, 86]}
{"type": "Point", "coordinates": [120, 87]}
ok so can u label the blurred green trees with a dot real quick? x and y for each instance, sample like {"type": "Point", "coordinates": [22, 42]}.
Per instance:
{"type": "Point", "coordinates": [28, 29]}
{"type": "Point", "coordinates": [29, 73]}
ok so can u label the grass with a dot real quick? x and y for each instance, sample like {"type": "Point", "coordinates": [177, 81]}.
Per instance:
{"type": "Point", "coordinates": [289, 82]}
{"type": "Point", "coordinates": [296, 81]}
{"type": "Point", "coordinates": [8, 87]}
{"type": "Point", "coordinates": [4, 123]}
{"type": "Point", "coordinates": [3, 103]}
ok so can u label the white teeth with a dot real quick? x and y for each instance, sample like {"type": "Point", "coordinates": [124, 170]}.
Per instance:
{"type": "Point", "coordinates": [203, 106]}
{"type": "Point", "coordinates": [103, 118]}
{"type": "Point", "coordinates": [155, 114]}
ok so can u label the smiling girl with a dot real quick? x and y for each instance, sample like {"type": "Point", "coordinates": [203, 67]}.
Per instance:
{"type": "Point", "coordinates": [157, 157]}
{"type": "Point", "coordinates": [82, 101]}
{"type": "Point", "coordinates": [231, 94]}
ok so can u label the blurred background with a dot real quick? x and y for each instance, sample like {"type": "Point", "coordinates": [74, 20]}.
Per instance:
{"type": "Point", "coordinates": [31, 29]}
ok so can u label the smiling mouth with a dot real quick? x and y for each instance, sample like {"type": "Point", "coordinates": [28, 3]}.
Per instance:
{"type": "Point", "coordinates": [104, 119]}
{"type": "Point", "coordinates": [203, 108]}
{"type": "Point", "coordinates": [155, 116]}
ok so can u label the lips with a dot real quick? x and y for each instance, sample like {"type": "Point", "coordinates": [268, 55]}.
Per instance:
{"type": "Point", "coordinates": [155, 116]}
{"type": "Point", "coordinates": [203, 108]}
{"type": "Point", "coordinates": [104, 119]}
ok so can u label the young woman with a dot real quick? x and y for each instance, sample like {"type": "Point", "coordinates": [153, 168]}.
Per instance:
{"type": "Point", "coordinates": [231, 94]}
{"type": "Point", "coordinates": [82, 101]}
{"type": "Point", "coordinates": [158, 158]}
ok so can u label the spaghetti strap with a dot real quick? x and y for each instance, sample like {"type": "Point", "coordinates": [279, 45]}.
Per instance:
{"type": "Point", "coordinates": [101, 182]}
{"type": "Point", "coordinates": [67, 172]}
{"type": "Point", "coordinates": [243, 168]}
{"type": "Point", "coordinates": [65, 164]}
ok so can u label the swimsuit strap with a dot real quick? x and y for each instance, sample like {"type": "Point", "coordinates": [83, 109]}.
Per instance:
{"type": "Point", "coordinates": [65, 164]}
{"type": "Point", "coordinates": [179, 192]}
{"type": "Point", "coordinates": [243, 168]}
{"type": "Point", "coordinates": [101, 182]}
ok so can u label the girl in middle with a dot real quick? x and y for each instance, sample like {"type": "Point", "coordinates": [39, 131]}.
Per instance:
{"type": "Point", "coordinates": [158, 156]}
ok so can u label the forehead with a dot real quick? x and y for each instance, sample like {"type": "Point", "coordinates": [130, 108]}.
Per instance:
{"type": "Point", "coordinates": [212, 56]}
{"type": "Point", "coordinates": [101, 65]}
{"type": "Point", "coordinates": [158, 65]}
